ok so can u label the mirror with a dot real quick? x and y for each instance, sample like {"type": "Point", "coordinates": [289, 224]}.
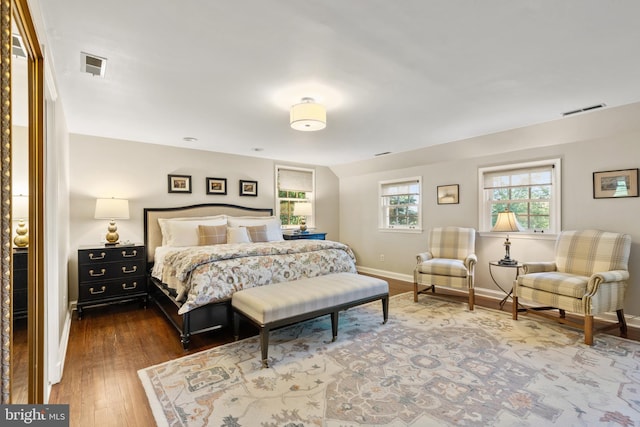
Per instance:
{"type": "Point", "coordinates": [15, 16]}
{"type": "Point", "coordinates": [19, 218]}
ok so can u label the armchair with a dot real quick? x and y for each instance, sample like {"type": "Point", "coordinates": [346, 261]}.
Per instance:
{"type": "Point", "coordinates": [588, 277]}
{"type": "Point", "coordinates": [449, 261]}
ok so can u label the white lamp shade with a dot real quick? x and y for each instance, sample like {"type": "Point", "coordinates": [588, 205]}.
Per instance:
{"type": "Point", "coordinates": [20, 209]}
{"type": "Point", "coordinates": [308, 116]}
{"type": "Point", "coordinates": [507, 222]}
{"type": "Point", "coordinates": [112, 209]}
{"type": "Point", "coordinates": [302, 209]}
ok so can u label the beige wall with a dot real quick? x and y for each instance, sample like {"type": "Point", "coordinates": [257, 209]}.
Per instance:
{"type": "Point", "coordinates": [138, 172]}
{"type": "Point", "coordinates": [619, 148]}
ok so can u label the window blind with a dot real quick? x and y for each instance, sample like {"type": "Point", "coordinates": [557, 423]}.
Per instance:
{"type": "Point", "coordinates": [295, 180]}
{"type": "Point", "coordinates": [541, 175]}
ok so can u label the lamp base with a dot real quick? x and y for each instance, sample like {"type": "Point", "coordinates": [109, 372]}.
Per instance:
{"type": "Point", "coordinates": [505, 261]}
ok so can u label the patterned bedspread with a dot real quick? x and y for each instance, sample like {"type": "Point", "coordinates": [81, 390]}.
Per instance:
{"type": "Point", "coordinates": [206, 274]}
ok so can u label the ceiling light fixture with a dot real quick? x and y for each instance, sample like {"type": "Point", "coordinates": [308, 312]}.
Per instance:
{"type": "Point", "coordinates": [190, 139]}
{"type": "Point", "coordinates": [308, 116]}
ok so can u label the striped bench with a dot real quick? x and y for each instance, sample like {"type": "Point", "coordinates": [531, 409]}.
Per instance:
{"type": "Point", "coordinates": [286, 303]}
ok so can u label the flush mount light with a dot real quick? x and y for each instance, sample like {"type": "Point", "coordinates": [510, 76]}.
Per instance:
{"type": "Point", "coordinates": [308, 116]}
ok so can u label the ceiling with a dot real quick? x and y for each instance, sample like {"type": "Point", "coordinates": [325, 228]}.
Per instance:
{"type": "Point", "coordinates": [394, 75]}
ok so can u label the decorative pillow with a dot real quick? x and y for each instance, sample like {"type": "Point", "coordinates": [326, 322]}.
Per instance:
{"type": "Point", "coordinates": [185, 232]}
{"type": "Point", "coordinates": [258, 233]}
{"type": "Point", "coordinates": [212, 234]}
{"type": "Point", "coordinates": [274, 230]}
{"type": "Point", "coordinates": [237, 235]}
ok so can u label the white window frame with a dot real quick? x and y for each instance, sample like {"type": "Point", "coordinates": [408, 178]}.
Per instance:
{"type": "Point", "coordinates": [383, 215]}
{"type": "Point", "coordinates": [311, 198]}
{"type": "Point", "coordinates": [555, 203]}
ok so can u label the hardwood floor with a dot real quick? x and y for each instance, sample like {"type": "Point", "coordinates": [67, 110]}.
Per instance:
{"type": "Point", "coordinates": [111, 343]}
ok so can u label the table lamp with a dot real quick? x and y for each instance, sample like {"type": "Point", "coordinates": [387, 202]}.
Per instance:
{"type": "Point", "coordinates": [507, 222]}
{"type": "Point", "coordinates": [112, 209]}
{"type": "Point", "coordinates": [303, 210]}
{"type": "Point", "coordinates": [20, 212]}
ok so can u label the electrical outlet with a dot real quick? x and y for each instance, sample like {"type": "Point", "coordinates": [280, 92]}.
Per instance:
{"type": "Point", "coordinates": [381, 257]}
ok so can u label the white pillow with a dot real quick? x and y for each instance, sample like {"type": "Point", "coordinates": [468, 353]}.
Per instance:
{"type": "Point", "coordinates": [184, 232]}
{"type": "Point", "coordinates": [164, 229]}
{"type": "Point", "coordinates": [274, 230]}
{"type": "Point", "coordinates": [237, 235]}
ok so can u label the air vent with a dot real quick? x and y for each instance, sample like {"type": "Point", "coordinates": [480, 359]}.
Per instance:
{"type": "Point", "coordinates": [93, 64]}
{"type": "Point", "coordinates": [17, 46]}
{"type": "Point", "coordinates": [582, 110]}
{"type": "Point", "coordinates": [382, 154]}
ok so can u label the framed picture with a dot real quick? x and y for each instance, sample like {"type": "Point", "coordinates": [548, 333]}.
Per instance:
{"type": "Point", "coordinates": [217, 186]}
{"type": "Point", "coordinates": [448, 194]}
{"type": "Point", "coordinates": [248, 188]}
{"type": "Point", "coordinates": [615, 184]}
{"type": "Point", "coordinates": [179, 183]}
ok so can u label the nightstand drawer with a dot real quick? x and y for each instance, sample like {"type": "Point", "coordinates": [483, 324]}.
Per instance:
{"type": "Point", "coordinates": [100, 255]}
{"type": "Point", "coordinates": [112, 288]}
{"type": "Point", "coordinates": [110, 270]}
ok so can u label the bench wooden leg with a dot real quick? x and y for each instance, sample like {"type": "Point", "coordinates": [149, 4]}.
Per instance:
{"type": "Point", "coordinates": [334, 325]}
{"type": "Point", "coordinates": [264, 346]}
{"type": "Point", "coordinates": [385, 309]}
{"type": "Point", "coordinates": [236, 326]}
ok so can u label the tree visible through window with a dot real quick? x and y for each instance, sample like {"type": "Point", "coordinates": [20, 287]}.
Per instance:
{"type": "Point", "coordinates": [400, 204]}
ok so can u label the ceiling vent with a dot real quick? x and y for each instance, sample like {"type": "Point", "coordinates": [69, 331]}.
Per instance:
{"type": "Point", "coordinates": [17, 46]}
{"type": "Point", "coordinates": [93, 64]}
{"type": "Point", "coordinates": [582, 110]}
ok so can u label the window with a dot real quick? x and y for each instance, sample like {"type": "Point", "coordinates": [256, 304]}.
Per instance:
{"type": "Point", "coordinates": [294, 185]}
{"type": "Point", "coordinates": [400, 204]}
{"type": "Point", "coordinates": [530, 190]}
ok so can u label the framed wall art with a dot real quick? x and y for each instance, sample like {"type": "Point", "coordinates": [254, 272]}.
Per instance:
{"type": "Point", "coordinates": [448, 194]}
{"type": "Point", "coordinates": [248, 188]}
{"type": "Point", "coordinates": [217, 186]}
{"type": "Point", "coordinates": [615, 184]}
{"type": "Point", "coordinates": [179, 183]}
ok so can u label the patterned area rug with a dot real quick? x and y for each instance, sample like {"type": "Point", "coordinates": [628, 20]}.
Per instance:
{"type": "Point", "coordinates": [434, 363]}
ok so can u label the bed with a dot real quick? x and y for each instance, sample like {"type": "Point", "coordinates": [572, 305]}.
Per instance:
{"type": "Point", "coordinates": [199, 255]}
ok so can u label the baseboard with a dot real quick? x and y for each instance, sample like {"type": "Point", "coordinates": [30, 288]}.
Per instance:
{"type": "Point", "coordinates": [632, 321]}
{"type": "Point", "coordinates": [56, 376]}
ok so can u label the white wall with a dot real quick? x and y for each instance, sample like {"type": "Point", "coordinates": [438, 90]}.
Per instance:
{"type": "Point", "coordinates": [444, 165]}
{"type": "Point", "coordinates": [138, 172]}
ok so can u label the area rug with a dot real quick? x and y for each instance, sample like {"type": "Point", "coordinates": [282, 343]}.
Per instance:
{"type": "Point", "coordinates": [434, 363]}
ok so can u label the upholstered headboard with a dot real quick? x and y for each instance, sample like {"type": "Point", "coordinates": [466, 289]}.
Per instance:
{"type": "Point", "coordinates": [153, 236]}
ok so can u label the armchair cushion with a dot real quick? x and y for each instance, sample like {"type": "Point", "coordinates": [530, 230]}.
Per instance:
{"type": "Point", "coordinates": [555, 282]}
{"type": "Point", "coordinates": [443, 267]}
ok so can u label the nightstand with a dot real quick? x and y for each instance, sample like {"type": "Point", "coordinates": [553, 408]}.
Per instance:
{"type": "Point", "coordinates": [109, 274]}
{"type": "Point", "coordinates": [309, 235]}
{"type": "Point", "coordinates": [20, 283]}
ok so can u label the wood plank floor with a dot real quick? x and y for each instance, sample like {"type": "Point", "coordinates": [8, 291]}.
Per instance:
{"type": "Point", "coordinates": [111, 343]}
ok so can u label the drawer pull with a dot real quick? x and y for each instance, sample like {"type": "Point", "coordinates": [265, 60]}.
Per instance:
{"type": "Point", "coordinates": [131, 255]}
{"type": "Point", "coordinates": [124, 286]}
{"type": "Point", "coordinates": [102, 255]}
{"type": "Point", "coordinates": [101, 291]}
{"type": "Point", "coordinates": [133, 270]}
{"type": "Point", "coordinates": [94, 274]}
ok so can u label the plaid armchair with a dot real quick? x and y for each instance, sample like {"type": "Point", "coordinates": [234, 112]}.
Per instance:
{"type": "Point", "coordinates": [589, 276]}
{"type": "Point", "coordinates": [449, 262]}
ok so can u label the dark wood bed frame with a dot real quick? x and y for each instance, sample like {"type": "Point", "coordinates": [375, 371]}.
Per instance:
{"type": "Point", "coordinates": [202, 319]}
